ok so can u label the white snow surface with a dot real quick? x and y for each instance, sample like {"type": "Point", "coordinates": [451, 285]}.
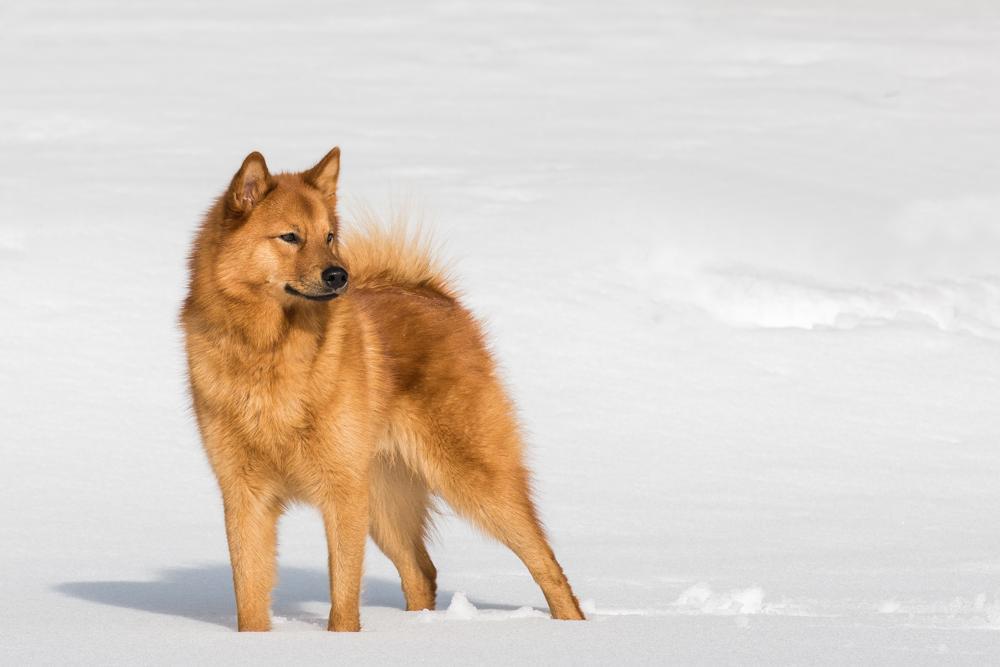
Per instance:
{"type": "Point", "coordinates": [738, 261]}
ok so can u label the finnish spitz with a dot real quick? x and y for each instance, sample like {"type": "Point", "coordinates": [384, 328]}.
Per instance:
{"type": "Point", "coordinates": [348, 375]}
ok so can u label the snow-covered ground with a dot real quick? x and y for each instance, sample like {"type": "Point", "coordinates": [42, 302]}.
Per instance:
{"type": "Point", "coordinates": [738, 259]}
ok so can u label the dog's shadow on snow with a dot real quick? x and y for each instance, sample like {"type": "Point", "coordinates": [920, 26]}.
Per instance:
{"type": "Point", "coordinates": [206, 594]}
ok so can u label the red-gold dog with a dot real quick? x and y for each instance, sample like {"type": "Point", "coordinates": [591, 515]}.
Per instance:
{"type": "Point", "coordinates": [349, 376]}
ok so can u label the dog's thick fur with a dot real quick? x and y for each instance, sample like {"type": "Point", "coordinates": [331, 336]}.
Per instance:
{"type": "Point", "coordinates": [364, 402]}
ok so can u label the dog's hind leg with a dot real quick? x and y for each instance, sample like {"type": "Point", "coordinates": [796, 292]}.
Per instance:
{"type": "Point", "coordinates": [494, 492]}
{"type": "Point", "coordinates": [399, 505]}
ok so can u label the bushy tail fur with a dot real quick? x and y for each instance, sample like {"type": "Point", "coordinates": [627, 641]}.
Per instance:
{"type": "Point", "coordinates": [387, 251]}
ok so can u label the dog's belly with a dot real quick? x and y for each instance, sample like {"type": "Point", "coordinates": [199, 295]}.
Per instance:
{"type": "Point", "coordinates": [403, 438]}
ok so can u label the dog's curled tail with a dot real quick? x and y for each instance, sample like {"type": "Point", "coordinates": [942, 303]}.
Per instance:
{"type": "Point", "coordinates": [381, 253]}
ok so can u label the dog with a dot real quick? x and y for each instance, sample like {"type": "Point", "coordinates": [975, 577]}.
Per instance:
{"type": "Point", "coordinates": [345, 374]}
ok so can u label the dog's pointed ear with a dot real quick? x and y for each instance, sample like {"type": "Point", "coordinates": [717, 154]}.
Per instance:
{"type": "Point", "coordinates": [324, 175]}
{"type": "Point", "coordinates": [249, 185]}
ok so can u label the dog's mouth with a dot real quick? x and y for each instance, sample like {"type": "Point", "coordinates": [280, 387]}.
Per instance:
{"type": "Point", "coordinates": [325, 296]}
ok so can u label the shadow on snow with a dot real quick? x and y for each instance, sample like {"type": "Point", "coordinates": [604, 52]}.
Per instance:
{"type": "Point", "coordinates": [205, 593]}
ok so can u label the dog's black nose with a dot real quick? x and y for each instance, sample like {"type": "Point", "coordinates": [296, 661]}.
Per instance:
{"type": "Point", "coordinates": [334, 277]}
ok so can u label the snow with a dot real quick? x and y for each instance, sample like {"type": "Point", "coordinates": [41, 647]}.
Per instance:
{"type": "Point", "coordinates": [738, 261]}
{"type": "Point", "coordinates": [462, 609]}
{"type": "Point", "coordinates": [700, 599]}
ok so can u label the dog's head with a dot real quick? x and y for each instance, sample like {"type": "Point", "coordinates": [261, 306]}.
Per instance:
{"type": "Point", "coordinates": [279, 234]}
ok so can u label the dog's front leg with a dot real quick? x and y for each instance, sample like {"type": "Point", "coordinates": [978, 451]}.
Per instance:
{"type": "Point", "coordinates": [345, 516]}
{"type": "Point", "coordinates": [251, 528]}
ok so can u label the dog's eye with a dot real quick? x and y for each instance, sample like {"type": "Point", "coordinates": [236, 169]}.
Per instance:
{"type": "Point", "coordinates": [290, 237]}
{"type": "Point", "coordinates": [329, 238]}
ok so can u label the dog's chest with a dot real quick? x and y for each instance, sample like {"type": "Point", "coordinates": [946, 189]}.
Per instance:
{"type": "Point", "coordinates": [265, 395]}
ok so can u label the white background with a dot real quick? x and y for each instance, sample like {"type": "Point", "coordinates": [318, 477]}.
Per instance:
{"type": "Point", "coordinates": [738, 261]}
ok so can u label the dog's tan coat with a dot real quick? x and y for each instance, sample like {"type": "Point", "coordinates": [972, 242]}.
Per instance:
{"type": "Point", "coordinates": [364, 406]}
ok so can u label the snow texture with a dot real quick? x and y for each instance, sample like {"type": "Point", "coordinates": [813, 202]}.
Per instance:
{"type": "Point", "coordinates": [738, 261]}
